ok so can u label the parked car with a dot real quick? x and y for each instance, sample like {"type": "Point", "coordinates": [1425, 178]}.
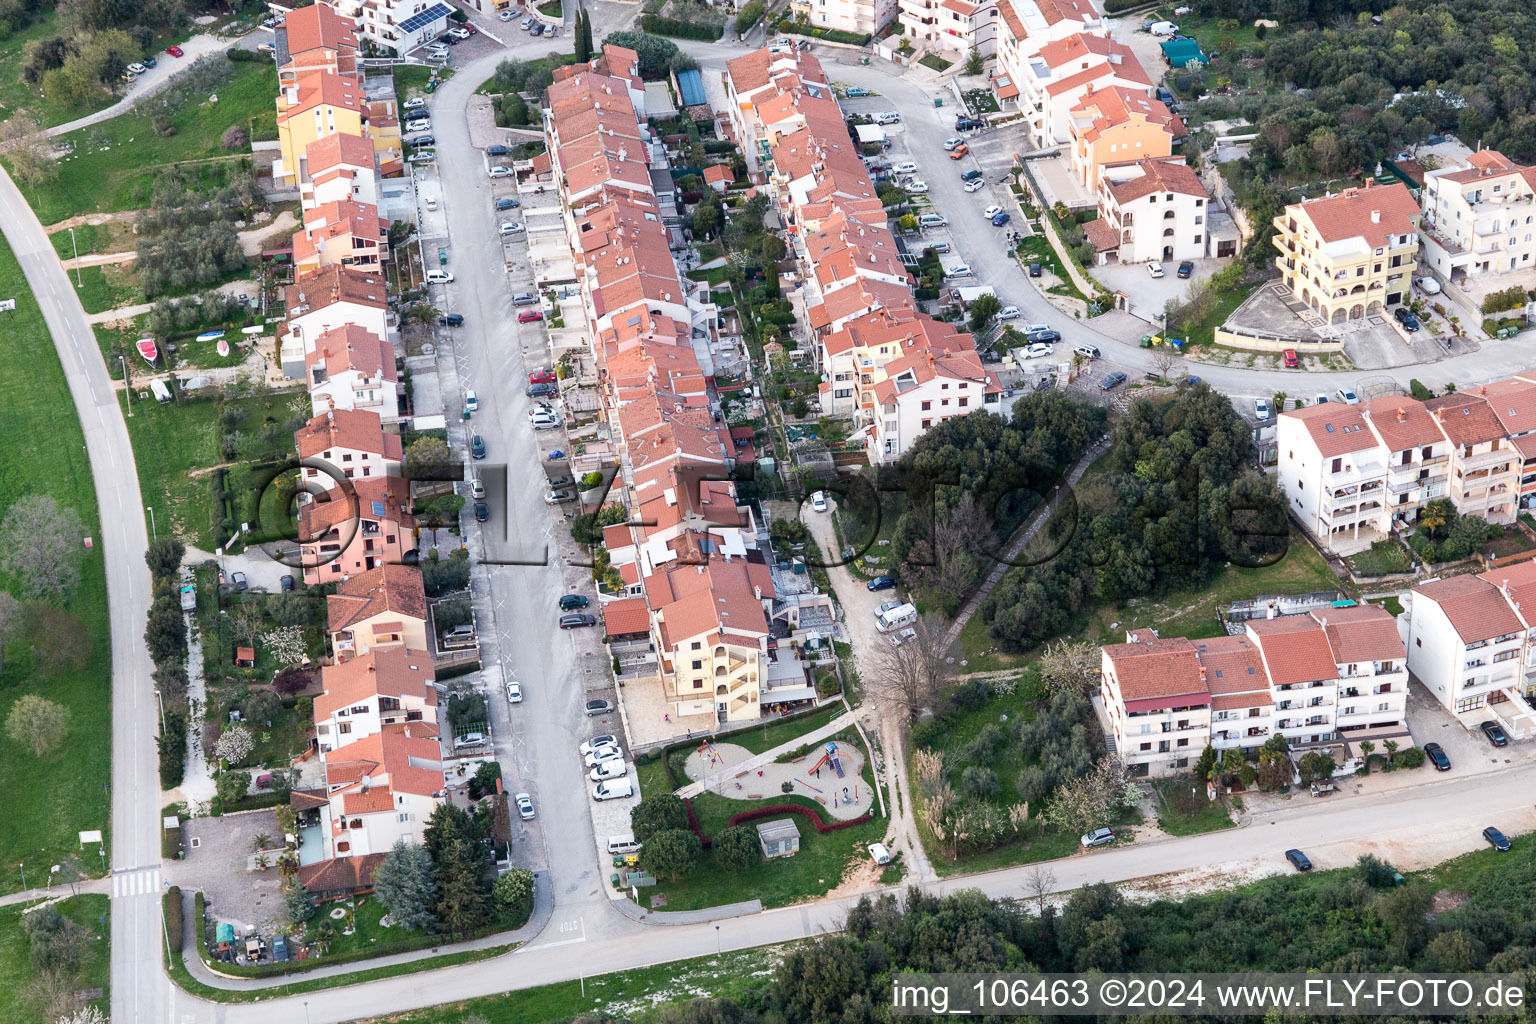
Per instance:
{"type": "Point", "coordinates": [1436, 755]}
{"type": "Point", "coordinates": [507, 15]}
{"type": "Point", "coordinates": [498, 150]}
{"type": "Point", "coordinates": [1347, 396]}
{"type": "Point", "coordinates": [1008, 313]}
{"type": "Point", "coordinates": [138, 68]}
{"type": "Point", "coordinates": [545, 421]}
{"type": "Point", "coordinates": [998, 220]}
{"type": "Point", "coordinates": [189, 598]}
{"type": "Point", "coordinates": [507, 203]}
{"type": "Point", "coordinates": [524, 806]}
{"type": "Point", "coordinates": [1039, 350]}
{"type": "Point", "coordinates": [819, 502]}
{"type": "Point", "coordinates": [1112, 381]}
{"type": "Point", "coordinates": [542, 376]}
{"type": "Point", "coordinates": [600, 753]}
{"type": "Point", "coordinates": [1099, 837]}
{"type": "Point", "coordinates": [571, 602]}
{"type": "Point", "coordinates": [476, 488]}
{"type": "Point", "coordinates": [422, 140]}
{"type": "Point", "coordinates": [423, 156]}
{"type": "Point", "coordinates": [482, 512]}
{"type": "Point", "coordinates": [477, 446]}
{"type": "Point", "coordinates": [1298, 860]}
{"type": "Point", "coordinates": [1035, 270]}
{"type": "Point", "coordinates": [451, 320]}
{"type": "Point", "coordinates": [966, 124]}
{"type": "Point", "coordinates": [991, 211]}
{"type": "Point", "coordinates": [1261, 408]}
{"type": "Point", "coordinates": [529, 316]}
{"type": "Point", "coordinates": [1493, 730]}
{"type": "Point", "coordinates": [559, 497]}
{"type": "Point", "coordinates": [469, 739]}
{"type": "Point", "coordinates": [1410, 323]}
{"type": "Point", "coordinates": [514, 692]}
{"type": "Point", "coordinates": [905, 167]}
{"type": "Point", "coordinates": [1041, 334]}
{"type": "Point", "coordinates": [953, 143]}
{"type": "Point", "coordinates": [540, 390]}
{"type": "Point", "coordinates": [1155, 269]}
{"type": "Point", "coordinates": [917, 188]}
{"type": "Point", "coordinates": [610, 769]}
{"type": "Point", "coordinates": [1087, 351]}
{"type": "Point", "coordinates": [175, 51]}
{"type": "Point", "coordinates": [511, 227]}
{"type": "Point", "coordinates": [1496, 839]}
{"type": "Point", "coordinates": [975, 185]}
{"type": "Point", "coordinates": [856, 91]}
{"type": "Point", "coordinates": [959, 151]}
{"type": "Point", "coordinates": [577, 620]}
{"type": "Point", "coordinates": [415, 102]}
{"type": "Point", "coordinates": [592, 744]}
{"type": "Point", "coordinates": [880, 583]}
{"type": "Point", "coordinates": [418, 125]}
{"type": "Point", "coordinates": [471, 400]}
{"type": "Point", "coordinates": [1291, 359]}
{"type": "Point", "coordinates": [527, 21]}
{"type": "Point", "coordinates": [286, 583]}
{"type": "Point", "coordinates": [1186, 268]}
{"type": "Point", "coordinates": [888, 117]}
{"type": "Point", "coordinates": [598, 707]}
{"type": "Point", "coordinates": [240, 582]}
{"type": "Point", "coordinates": [500, 171]}
{"type": "Point", "coordinates": [459, 33]}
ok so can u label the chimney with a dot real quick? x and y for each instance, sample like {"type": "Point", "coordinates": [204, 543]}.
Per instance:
{"type": "Point", "coordinates": [1375, 216]}
{"type": "Point", "coordinates": [1402, 417]}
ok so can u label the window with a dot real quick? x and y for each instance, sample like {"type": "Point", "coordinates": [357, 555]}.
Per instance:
{"type": "Point", "coordinates": [697, 665]}
{"type": "Point", "coordinates": [696, 646]}
{"type": "Point", "coordinates": [927, 404]}
{"type": "Point", "coordinates": [1338, 464]}
{"type": "Point", "coordinates": [343, 727]}
{"type": "Point", "coordinates": [927, 424]}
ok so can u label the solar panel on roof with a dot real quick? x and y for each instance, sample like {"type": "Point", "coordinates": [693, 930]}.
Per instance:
{"type": "Point", "coordinates": [425, 18]}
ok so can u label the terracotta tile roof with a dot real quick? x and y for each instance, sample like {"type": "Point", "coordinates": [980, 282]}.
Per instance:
{"type": "Point", "coordinates": [1156, 668]}
{"type": "Point", "coordinates": [1101, 235]}
{"type": "Point", "coordinates": [1336, 428]}
{"type": "Point", "coordinates": [718, 172]}
{"type": "Point", "coordinates": [1117, 105]}
{"type": "Point", "coordinates": [1366, 632]}
{"type": "Point", "coordinates": [389, 588]}
{"type": "Point", "coordinates": [331, 284]}
{"type": "Point", "coordinates": [1520, 583]}
{"type": "Point", "coordinates": [710, 599]}
{"type": "Point", "coordinates": [307, 799]}
{"type": "Point", "coordinates": [1233, 664]}
{"type": "Point", "coordinates": [1465, 418]}
{"type": "Point", "coordinates": [352, 347]}
{"type": "Point", "coordinates": [1060, 10]}
{"type": "Point", "coordinates": [1485, 163]}
{"type": "Point", "coordinates": [394, 759]}
{"type": "Point", "coordinates": [1348, 214]}
{"type": "Point", "coordinates": [341, 874]}
{"type": "Point", "coordinates": [627, 616]}
{"type": "Point", "coordinates": [1011, 19]}
{"type": "Point", "coordinates": [1295, 649]}
{"type": "Point", "coordinates": [1475, 607]}
{"type": "Point", "coordinates": [380, 499]}
{"type": "Point", "coordinates": [1513, 401]}
{"type": "Point", "coordinates": [1168, 174]}
{"type": "Point", "coordinates": [1401, 423]}
{"type": "Point", "coordinates": [318, 25]}
{"type": "Point", "coordinates": [1081, 50]}
{"type": "Point", "coordinates": [385, 672]}
{"type": "Point", "coordinates": [339, 148]}
{"type": "Point", "coordinates": [321, 88]}
{"type": "Point", "coordinates": [354, 429]}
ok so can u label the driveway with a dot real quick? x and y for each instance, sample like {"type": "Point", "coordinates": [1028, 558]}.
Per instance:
{"type": "Point", "coordinates": [1150, 295]}
{"type": "Point", "coordinates": [218, 863]}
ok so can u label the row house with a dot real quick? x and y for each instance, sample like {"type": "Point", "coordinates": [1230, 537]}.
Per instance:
{"type": "Point", "coordinates": [1023, 28]}
{"type": "Point", "coordinates": [383, 607]}
{"type": "Point", "coordinates": [352, 442]}
{"type": "Point", "coordinates": [1472, 642]}
{"type": "Point", "coordinates": [1333, 470]}
{"type": "Point", "coordinates": [1479, 225]}
{"type": "Point", "coordinates": [382, 789]}
{"type": "Point", "coordinates": [327, 299]}
{"type": "Point", "coordinates": [922, 390]}
{"type": "Point", "coordinates": [1116, 125]}
{"type": "Point", "coordinates": [1485, 466]}
{"type": "Point", "coordinates": [368, 694]}
{"type": "Point", "coordinates": [341, 233]}
{"type": "Point", "coordinates": [353, 533]}
{"type": "Point", "coordinates": [1352, 254]}
{"type": "Point", "coordinates": [1151, 210]}
{"type": "Point", "coordinates": [758, 77]}
{"type": "Point", "coordinates": [1513, 401]}
{"type": "Point", "coordinates": [315, 105]}
{"type": "Point", "coordinates": [315, 38]}
{"type": "Point", "coordinates": [351, 369]}
{"type": "Point", "coordinates": [338, 169]}
{"type": "Point", "coordinates": [1329, 678]}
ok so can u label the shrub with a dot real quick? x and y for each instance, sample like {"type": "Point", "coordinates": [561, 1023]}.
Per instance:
{"type": "Point", "coordinates": [234, 138]}
{"type": "Point", "coordinates": [1418, 391]}
{"type": "Point", "coordinates": [737, 848]}
{"type": "Point", "coordinates": [1413, 757]}
{"type": "Point", "coordinates": [970, 696]}
{"type": "Point", "coordinates": [704, 31]}
{"type": "Point", "coordinates": [980, 783]}
{"type": "Point", "coordinates": [173, 747]}
{"type": "Point", "coordinates": [748, 15]}
{"type": "Point", "coordinates": [1512, 297]}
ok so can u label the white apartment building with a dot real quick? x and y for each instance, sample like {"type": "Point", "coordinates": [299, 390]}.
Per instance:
{"type": "Point", "coordinates": [381, 789]}
{"type": "Point", "coordinates": [1418, 455]}
{"type": "Point", "coordinates": [1480, 221]}
{"type": "Point", "coordinates": [1023, 27]}
{"type": "Point", "coordinates": [338, 168]}
{"type": "Point", "coordinates": [1333, 471]}
{"type": "Point", "coordinates": [1153, 211]}
{"type": "Point", "coordinates": [956, 26]}
{"type": "Point", "coordinates": [398, 26]}
{"type": "Point", "coordinates": [387, 686]}
{"type": "Point", "coordinates": [352, 369]}
{"type": "Point", "coordinates": [329, 298]}
{"type": "Point", "coordinates": [922, 390]}
{"type": "Point", "coordinates": [864, 17]}
{"type": "Point", "coordinates": [1052, 77]}
{"type": "Point", "coordinates": [1470, 641]}
{"type": "Point", "coordinates": [1158, 703]}
{"type": "Point", "coordinates": [1242, 710]}
{"type": "Point", "coordinates": [1485, 465]}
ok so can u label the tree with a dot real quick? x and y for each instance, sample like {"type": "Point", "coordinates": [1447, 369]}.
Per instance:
{"type": "Point", "coordinates": [1367, 748]}
{"type": "Point", "coordinates": [234, 745]}
{"type": "Point", "coordinates": [974, 62]}
{"type": "Point", "coordinates": [513, 892]}
{"type": "Point", "coordinates": [1088, 802]}
{"type": "Point", "coordinates": [913, 676]}
{"type": "Point", "coordinates": [1069, 665]}
{"type": "Point", "coordinates": [234, 138]}
{"type": "Point", "coordinates": [27, 150]}
{"type": "Point", "coordinates": [671, 854]}
{"type": "Point", "coordinates": [586, 33]}
{"type": "Point", "coordinates": [1315, 766]}
{"type": "Point", "coordinates": [655, 53]}
{"type": "Point", "coordinates": [165, 633]}
{"type": "Point", "coordinates": [737, 848]}
{"type": "Point", "coordinates": [661, 813]}
{"type": "Point", "coordinates": [944, 560]}
{"type": "Point", "coordinates": [246, 623]}
{"type": "Point", "coordinates": [56, 943]}
{"type": "Point", "coordinates": [404, 882]}
{"type": "Point", "coordinates": [164, 558]}
{"type": "Point", "coordinates": [297, 902]}
{"type": "Point", "coordinates": [445, 575]}
{"type": "Point", "coordinates": [1040, 882]}
{"type": "Point", "coordinates": [37, 722]}
{"type": "Point", "coordinates": [463, 903]}
{"type": "Point", "coordinates": [982, 310]}
{"type": "Point", "coordinates": [232, 786]}
{"type": "Point", "coordinates": [42, 546]}
{"type": "Point", "coordinates": [1205, 768]}
{"type": "Point", "coordinates": [425, 454]}
{"type": "Point", "coordinates": [10, 622]}
{"type": "Point", "coordinates": [583, 39]}
{"type": "Point", "coordinates": [707, 216]}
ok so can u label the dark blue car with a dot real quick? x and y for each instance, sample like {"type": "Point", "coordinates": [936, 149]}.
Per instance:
{"type": "Point", "coordinates": [881, 583]}
{"type": "Point", "coordinates": [998, 220]}
{"type": "Point", "coordinates": [540, 390]}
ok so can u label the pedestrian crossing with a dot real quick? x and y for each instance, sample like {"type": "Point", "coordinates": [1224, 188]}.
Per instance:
{"type": "Point", "coordinates": [135, 882]}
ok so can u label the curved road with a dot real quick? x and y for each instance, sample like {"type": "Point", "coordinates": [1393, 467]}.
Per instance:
{"type": "Point", "coordinates": [488, 359]}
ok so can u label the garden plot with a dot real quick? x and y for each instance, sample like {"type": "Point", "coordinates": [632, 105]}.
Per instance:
{"type": "Point", "coordinates": [736, 773]}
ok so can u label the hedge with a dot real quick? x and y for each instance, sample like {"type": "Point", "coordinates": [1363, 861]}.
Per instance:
{"type": "Point", "coordinates": [693, 823]}
{"type": "Point", "coordinates": [173, 922]}
{"type": "Point", "coordinates": [803, 811]}
{"type": "Point", "coordinates": [1116, 6]}
{"type": "Point", "coordinates": [705, 32]}
{"type": "Point", "coordinates": [173, 746]}
{"type": "Point", "coordinates": [831, 35]}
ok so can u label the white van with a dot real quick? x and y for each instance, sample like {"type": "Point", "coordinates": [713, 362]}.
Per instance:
{"type": "Point", "coordinates": [613, 789]}
{"type": "Point", "coordinates": [623, 844]}
{"type": "Point", "coordinates": [613, 768]}
{"type": "Point", "coordinates": [438, 277]}
{"type": "Point", "coordinates": [931, 220]}
{"type": "Point", "coordinates": [901, 616]}
{"type": "Point", "coordinates": [1163, 28]}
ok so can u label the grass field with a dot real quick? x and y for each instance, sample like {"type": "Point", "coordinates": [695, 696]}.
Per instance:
{"type": "Point", "coordinates": [16, 94]}
{"type": "Point", "coordinates": [107, 287]}
{"type": "Point", "coordinates": [49, 800]}
{"type": "Point", "coordinates": [18, 1005]}
{"type": "Point", "coordinates": [1183, 810]}
{"type": "Point", "coordinates": [114, 163]}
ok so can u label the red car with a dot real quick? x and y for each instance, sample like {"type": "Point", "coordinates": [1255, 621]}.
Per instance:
{"type": "Point", "coordinates": [175, 51]}
{"type": "Point", "coordinates": [529, 316]}
{"type": "Point", "coordinates": [469, 26]}
{"type": "Point", "coordinates": [541, 377]}
{"type": "Point", "coordinates": [1292, 361]}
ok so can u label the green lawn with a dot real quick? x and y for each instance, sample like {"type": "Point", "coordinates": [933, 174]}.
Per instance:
{"type": "Point", "coordinates": [49, 800]}
{"type": "Point", "coordinates": [16, 94]}
{"type": "Point", "coordinates": [1183, 810]}
{"type": "Point", "coordinates": [114, 163]}
{"type": "Point", "coordinates": [1380, 559]}
{"type": "Point", "coordinates": [775, 733]}
{"type": "Point", "coordinates": [1203, 332]}
{"type": "Point", "coordinates": [106, 287]}
{"type": "Point", "coordinates": [173, 442]}
{"type": "Point", "coordinates": [17, 1004]}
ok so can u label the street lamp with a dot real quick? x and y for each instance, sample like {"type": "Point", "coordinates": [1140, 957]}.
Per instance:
{"type": "Point", "coordinates": [161, 701]}
{"type": "Point", "coordinates": [127, 384]}
{"type": "Point", "coordinates": [717, 940]}
{"type": "Point", "coordinates": [153, 535]}
{"type": "Point", "coordinates": [78, 283]}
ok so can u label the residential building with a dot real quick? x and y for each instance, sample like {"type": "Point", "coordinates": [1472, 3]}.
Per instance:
{"type": "Point", "coordinates": [347, 534]}
{"type": "Point", "coordinates": [1242, 707]}
{"type": "Point", "coordinates": [956, 26]}
{"type": "Point", "coordinates": [351, 369]}
{"type": "Point", "coordinates": [1417, 454]}
{"type": "Point", "coordinates": [1333, 471]}
{"type": "Point", "coordinates": [342, 233]}
{"type": "Point", "coordinates": [315, 38]}
{"type": "Point", "coordinates": [383, 607]}
{"type": "Point", "coordinates": [351, 442]}
{"type": "Point", "coordinates": [381, 789]}
{"type": "Point", "coordinates": [338, 168]}
{"type": "Point", "coordinates": [1050, 77]}
{"type": "Point", "coordinates": [1485, 466]}
{"type": "Point", "coordinates": [1023, 28]}
{"type": "Point", "coordinates": [710, 629]}
{"type": "Point", "coordinates": [1479, 221]}
{"type": "Point", "coordinates": [1116, 125]}
{"type": "Point", "coordinates": [1514, 402]}
{"type": "Point", "coordinates": [327, 299]}
{"type": "Point", "coordinates": [398, 26]}
{"type": "Point", "coordinates": [861, 17]}
{"type": "Point", "coordinates": [314, 105]}
{"type": "Point", "coordinates": [364, 696]}
{"type": "Point", "coordinates": [1152, 211]}
{"type": "Point", "coordinates": [1158, 703]}
{"type": "Point", "coordinates": [1372, 670]}
{"type": "Point", "coordinates": [1470, 639]}
{"type": "Point", "coordinates": [922, 390]}
{"type": "Point", "coordinates": [760, 76]}
{"type": "Point", "coordinates": [1350, 254]}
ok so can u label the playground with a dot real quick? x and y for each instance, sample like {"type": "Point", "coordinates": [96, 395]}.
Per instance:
{"type": "Point", "coordinates": [830, 774]}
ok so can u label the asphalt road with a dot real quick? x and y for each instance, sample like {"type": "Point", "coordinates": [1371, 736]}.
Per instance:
{"type": "Point", "coordinates": [139, 986]}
